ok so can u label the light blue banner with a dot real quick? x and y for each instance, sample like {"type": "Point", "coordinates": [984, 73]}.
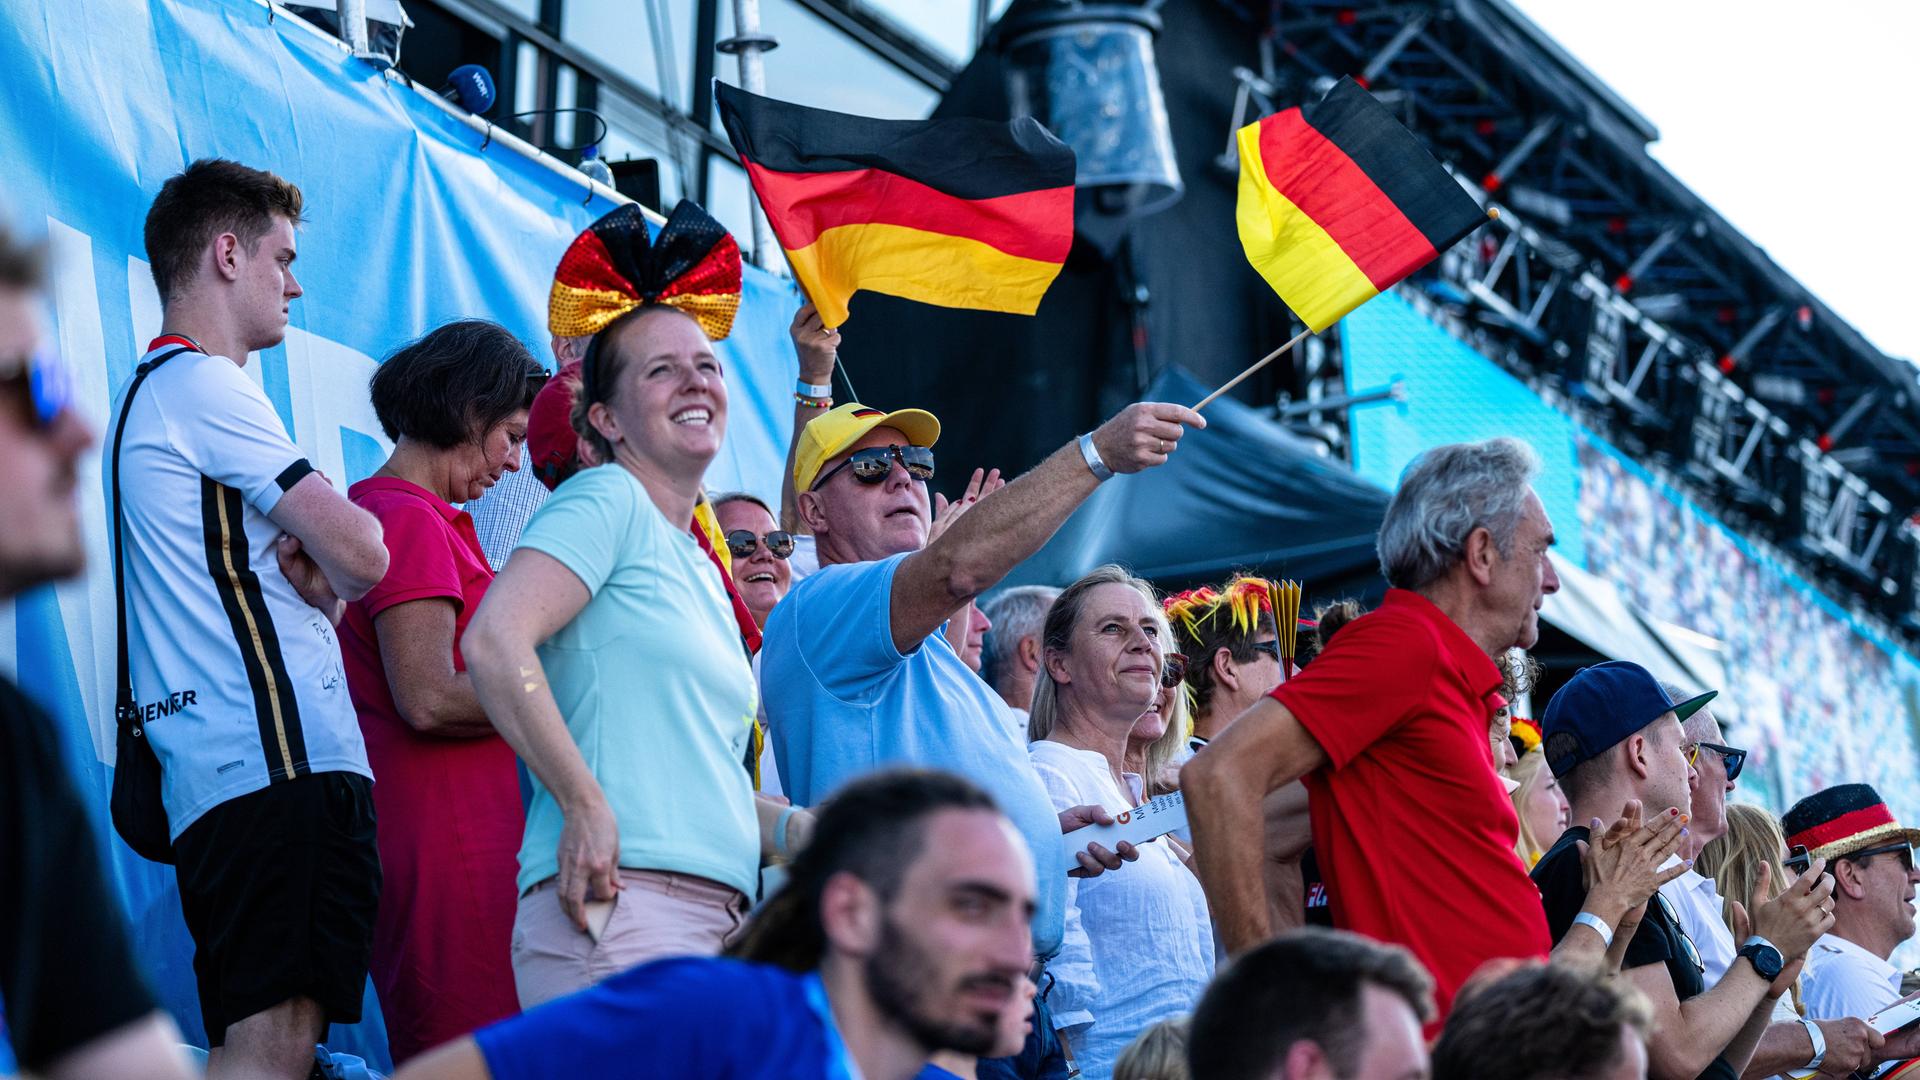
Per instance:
{"type": "Point", "coordinates": [410, 223]}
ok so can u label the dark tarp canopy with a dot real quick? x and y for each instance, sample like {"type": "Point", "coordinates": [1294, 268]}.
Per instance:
{"type": "Point", "coordinates": [1244, 494]}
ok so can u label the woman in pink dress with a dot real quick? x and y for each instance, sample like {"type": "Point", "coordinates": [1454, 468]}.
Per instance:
{"type": "Point", "coordinates": [446, 789]}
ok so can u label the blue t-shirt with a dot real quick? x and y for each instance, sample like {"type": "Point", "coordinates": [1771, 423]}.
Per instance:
{"type": "Point", "coordinates": [843, 702]}
{"type": "Point", "coordinates": [714, 1019]}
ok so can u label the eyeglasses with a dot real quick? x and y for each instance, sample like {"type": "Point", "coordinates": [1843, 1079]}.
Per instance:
{"type": "Point", "coordinates": [42, 385]}
{"type": "Point", "coordinates": [1271, 648]}
{"type": "Point", "coordinates": [1735, 759]}
{"type": "Point", "coordinates": [1905, 852]}
{"type": "Point", "coordinates": [1799, 858]}
{"type": "Point", "coordinates": [1173, 670]}
{"type": "Point", "coordinates": [871, 466]}
{"type": "Point", "coordinates": [742, 542]}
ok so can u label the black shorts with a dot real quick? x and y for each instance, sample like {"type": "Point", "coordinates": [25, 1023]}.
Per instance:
{"type": "Point", "coordinates": [279, 888]}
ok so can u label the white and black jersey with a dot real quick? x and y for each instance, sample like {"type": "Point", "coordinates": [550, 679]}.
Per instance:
{"type": "Point", "coordinates": [238, 680]}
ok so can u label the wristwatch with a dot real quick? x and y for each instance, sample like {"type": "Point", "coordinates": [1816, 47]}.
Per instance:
{"type": "Point", "coordinates": [1766, 959]}
{"type": "Point", "coordinates": [1819, 1041]}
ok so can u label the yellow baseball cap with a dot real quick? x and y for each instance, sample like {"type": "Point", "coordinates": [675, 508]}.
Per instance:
{"type": "Point", "coordinates": [828, 435]}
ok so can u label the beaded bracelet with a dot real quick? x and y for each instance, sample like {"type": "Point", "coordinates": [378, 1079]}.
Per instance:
{"type": "Point", "coordinates": [814, 402]}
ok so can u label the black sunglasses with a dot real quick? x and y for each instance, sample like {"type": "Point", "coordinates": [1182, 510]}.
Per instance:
{"type": "Point", "coordinates": [1271, 648]}
{"type": "Point", "coordinates": [871, 466]}
{"type": "Point", "coordinates": [1173, 669]}
{"type": "Point", "coordinates": [1905, 851]}
{"type": "Point", "coordinates": [741, 542]}
{"type": "Point", "coordinates": [1735, 759]}
{"type": "Point", "coordinates": [43, 387]}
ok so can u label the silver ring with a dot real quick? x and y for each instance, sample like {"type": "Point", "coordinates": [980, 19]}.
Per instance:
{"type": "Point", "coordinates": [1163, 446]}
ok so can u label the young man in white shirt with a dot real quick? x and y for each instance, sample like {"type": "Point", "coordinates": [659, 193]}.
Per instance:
{"type": "Point", "coordinates": [1871, 857]}
{"type": "Point", "coordinates": [239, 558]}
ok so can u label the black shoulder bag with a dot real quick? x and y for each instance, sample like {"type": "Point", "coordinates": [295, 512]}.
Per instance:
{"type": "Point", "coordinates": [138, 814]}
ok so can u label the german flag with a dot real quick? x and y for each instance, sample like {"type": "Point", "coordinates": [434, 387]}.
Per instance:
{"type": "Point", "coordinates": [1338, 202]}
{"type": "Point", "coordinates": [962, 213]}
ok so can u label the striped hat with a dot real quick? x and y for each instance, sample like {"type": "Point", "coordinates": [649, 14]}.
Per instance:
{"type": "Point", "coordinates": [1842, 820]}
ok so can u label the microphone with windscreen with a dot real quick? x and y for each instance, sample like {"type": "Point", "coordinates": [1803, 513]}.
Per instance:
{"type": "Point", "coordinates": [470, 87]}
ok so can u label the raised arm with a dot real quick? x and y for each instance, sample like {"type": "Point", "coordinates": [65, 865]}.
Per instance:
{"type": "Point", "coordinates": [1226, 785]}
{"type": "Point", "coordinates": [817, 346]}
{"type": "Point", "coordinates": [534, 596]}
{"type": "Point", "coordinates": [1006, 527]}
{"type": "Point", "coordinates": [341, 539]}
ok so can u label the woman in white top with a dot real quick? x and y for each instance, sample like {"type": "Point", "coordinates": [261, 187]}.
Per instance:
{"type": "Point", "coordinates": [1139, 947]}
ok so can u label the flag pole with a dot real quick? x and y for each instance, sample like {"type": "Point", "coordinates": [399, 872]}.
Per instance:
{"type": "Point", "coordinates": [1257, 365]}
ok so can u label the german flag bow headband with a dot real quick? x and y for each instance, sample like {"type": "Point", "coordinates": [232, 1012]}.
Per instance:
{"type": "Point", "coordinates": [618, 265]}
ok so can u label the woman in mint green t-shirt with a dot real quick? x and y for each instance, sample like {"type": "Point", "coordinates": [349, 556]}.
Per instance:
{"type": "Point", "coordinates": [607, 654]}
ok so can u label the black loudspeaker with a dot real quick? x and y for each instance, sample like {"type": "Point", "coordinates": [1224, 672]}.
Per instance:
{"type": "Point", "coordinates": [638, 179]}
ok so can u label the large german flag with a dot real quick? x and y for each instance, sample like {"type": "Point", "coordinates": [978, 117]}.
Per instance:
{"type": "Point", "coordinates": [1338, 202]}
{"type": "Point", "coordinates": [961, 213]}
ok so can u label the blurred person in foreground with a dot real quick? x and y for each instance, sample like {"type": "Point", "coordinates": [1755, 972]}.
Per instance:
{"type": "Point", "coordinates": [1614, 738]}
{"type": "Point", "coordinates": [1160, 1053]}
{"type": "Point", "coordinates": [1837, 1046]}
{"type": "Point", "coordinates": [73, 1003]}
{"type": "Point", "coordinates": [1010, 656]}
{"type": "Point", "coordinates": [1314, 1004]}
{"type": "Point", "coordinates": [240, 558]}
{"type": "Point", "coordinates": [1139, 945]}
{"type": "Point", "coordinates": [1545, 1022]}
{"type": "Point", "coordinates": [967, 633]}
{"type": "Point", "coordinates": [857, 673]}
{"type": "Point", "coordinates": [455, 405]}
{"type": "Point", "coordinates": [1849, 972]}
{"type": "Point", "coordinates": [607, 652]}
{"type": "Point", "coordinates": [1389, 728]}
{"type": "Point", "coordinates": [901, 933]}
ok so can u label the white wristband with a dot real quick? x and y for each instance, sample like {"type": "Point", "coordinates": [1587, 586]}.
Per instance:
{"type": "Point", "coordinates": [1819, 1040]}
{"type": "Point", "coordinates": [1599, 925]}
{"type": "Point", "coordinates": [813, 390]}
{"type": "Point", "coordinates": [1091, 456]}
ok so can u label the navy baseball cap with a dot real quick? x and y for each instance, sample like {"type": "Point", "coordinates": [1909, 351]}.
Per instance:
{"type": "Point", "coordinates": [1602, 705]}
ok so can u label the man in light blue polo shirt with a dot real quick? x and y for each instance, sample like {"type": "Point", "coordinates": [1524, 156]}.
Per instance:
{"type": "Point", "coordinates": [855, 672]}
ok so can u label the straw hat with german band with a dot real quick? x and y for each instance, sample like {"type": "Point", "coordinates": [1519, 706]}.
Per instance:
{"type": "Point", "coordinates": [1844, 820]}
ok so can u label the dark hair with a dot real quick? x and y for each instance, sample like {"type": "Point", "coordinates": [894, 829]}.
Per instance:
{"type": "Point", "coordinates": [1303, 985]}
{"type": "Point", "coordinates": [453, 385]}
{"type": "Point", "coordinates": [1543, 1022]}
{"type": "Point", "coordinates": [22, 266]}
{"type": "Point", "coordinates": [213, 196]}
{"type": "Point", "coordinates": [1330, 619]}
{"type": "Point", "coordinates": [1593, 773]}
{"type": "Point", "coordinates": [725, 497]}
{"type": "Point", "coordinates": [872, 829]}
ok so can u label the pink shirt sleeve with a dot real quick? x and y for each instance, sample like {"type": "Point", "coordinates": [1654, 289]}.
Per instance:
{"type": "Point", "coordinates": [422, 565]}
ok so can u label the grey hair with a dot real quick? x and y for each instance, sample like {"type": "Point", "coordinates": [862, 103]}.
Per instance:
{"type": "Point", "coordinates": [1447, 493]}
{"type": "Point", "coordinates": [1696, 724]}
{"type": "Point", "coordinates": [1016, 614]}
{"type": "Point", "coordinates": [1057, 637]}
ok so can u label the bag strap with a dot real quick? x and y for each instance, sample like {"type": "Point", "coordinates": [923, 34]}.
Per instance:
{"type": "Point", "coordinates": [124, 712]}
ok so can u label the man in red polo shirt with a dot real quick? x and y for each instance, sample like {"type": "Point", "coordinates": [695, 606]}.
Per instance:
{"type": "Point", "coordinates": [1388, 727]}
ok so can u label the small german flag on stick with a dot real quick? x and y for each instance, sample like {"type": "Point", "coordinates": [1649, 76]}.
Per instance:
{"type": "Point", "coordinates": [1339, 202]}
{"type": "Point", "coordinates": [961, 213]}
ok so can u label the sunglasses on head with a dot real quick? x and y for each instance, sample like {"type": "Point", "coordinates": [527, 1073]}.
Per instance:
{"type": "Point", "coordinates": [871, 466]}
{"type": "Point", "coordinates": [1735, 759]}
{"type": "Point", "coordinates": [741, 543]}
{"type": "Point", "coordinates": [41, 385]}
{"type": "Point", "coordinates": [1173, 669]}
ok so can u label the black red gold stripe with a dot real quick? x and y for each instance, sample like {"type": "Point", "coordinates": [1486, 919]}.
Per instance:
{"type": "Point", "coordinates": [276, 705]}
{"type": "Point", "coordinates": [961, 212]}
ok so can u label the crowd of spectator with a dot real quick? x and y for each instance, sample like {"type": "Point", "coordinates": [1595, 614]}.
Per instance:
{"type": "Point", "coordinates": [804, 796]}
